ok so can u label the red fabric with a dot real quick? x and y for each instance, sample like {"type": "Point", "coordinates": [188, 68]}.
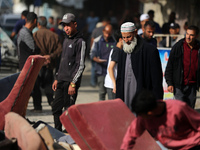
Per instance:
{"type": "Point", "coordinates": [20, 93]}
{"type": "Point", "coordinates": [102, 125]}
{"type": "Point", "coordinates": [190, 63]}
{"type": "Point", "coordinates": [178, 128]}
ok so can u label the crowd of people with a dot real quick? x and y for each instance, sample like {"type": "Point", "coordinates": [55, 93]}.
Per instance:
{"type": "Point", "coordinates": [125, 61]}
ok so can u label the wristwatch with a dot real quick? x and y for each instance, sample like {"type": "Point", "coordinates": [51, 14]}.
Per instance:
{"type": "Point", "coordinates": [73, 85]}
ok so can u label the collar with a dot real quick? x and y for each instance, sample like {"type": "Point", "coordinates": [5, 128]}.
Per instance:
{"type": "Point", "coordinates": [27, 29]}
{"type": "Point", "coordinates": [73, 36]}
{"type": "Point", "coordinates": [196, 45]}
{"type": "Point", "coordinates": [109, 40]}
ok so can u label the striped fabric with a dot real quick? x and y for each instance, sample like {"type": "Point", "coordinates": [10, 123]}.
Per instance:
{"type": "Point", "coordinates": [25, 35]}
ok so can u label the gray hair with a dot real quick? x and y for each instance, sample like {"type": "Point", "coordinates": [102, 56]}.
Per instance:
{"type": "Point", "coordinates": [42, 21]}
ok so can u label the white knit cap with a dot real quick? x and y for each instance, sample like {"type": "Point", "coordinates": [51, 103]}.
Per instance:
{"type": "Point", "coordinates": [144, 17]}
{"type": "Point", "coordinates": [128, 27]}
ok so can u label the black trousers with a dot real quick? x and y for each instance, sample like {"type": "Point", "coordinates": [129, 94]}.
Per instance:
{"type": "Point", "coordinates": [62, 100]}
{"type": "Point", "coordinates": [187, 94]}
{"type": "Point", "coordinates": [45, 81]}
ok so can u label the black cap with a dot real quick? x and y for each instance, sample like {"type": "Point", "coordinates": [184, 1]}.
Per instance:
{"type": "Point", "coordinates": [174, 25]}
{"type": "Point", "coordinates": [67, 18]}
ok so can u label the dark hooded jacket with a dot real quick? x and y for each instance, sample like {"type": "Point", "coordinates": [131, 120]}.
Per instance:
{"type": "Point", "coordinates": [72, 61]}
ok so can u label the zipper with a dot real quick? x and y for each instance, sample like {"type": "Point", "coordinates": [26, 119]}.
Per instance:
{"type": "Point", "coordinates": [189, 66]}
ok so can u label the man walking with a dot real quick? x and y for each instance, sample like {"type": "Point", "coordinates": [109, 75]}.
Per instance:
{"type": "Point", "coordinates": [25, 41]}
{"type": "Point", "coordinates": [49, 46]}
{"type": "Point", "coordinates": [139, 66]}
{"type": "Point", "coordinates": [148, 32]}
{"type": "Point", "coordinates": [70, 71]}
{"type": "Point", "coordinates": [100, 54]}
{"type": "Point", "coordinates": [183, 68]}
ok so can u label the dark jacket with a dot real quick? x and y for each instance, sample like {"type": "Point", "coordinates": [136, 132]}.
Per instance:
{"type": "Point", "coordinates": [147, 69]}
{"type": "Point", "coordinates": [96, 51]}
{"type": "Point", "coordinates": [174, 69]}
{"type": "Point", "coordinates": [72, 61]}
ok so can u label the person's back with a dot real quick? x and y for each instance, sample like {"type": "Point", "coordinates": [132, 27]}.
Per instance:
{"type": "Point", "coordinates": [49, 44]}
{"type": "Point", "coordinates": [172, 122]}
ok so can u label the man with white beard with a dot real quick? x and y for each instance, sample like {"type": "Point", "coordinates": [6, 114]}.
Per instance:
{"type": "Point", "coordinates": [139, 66]}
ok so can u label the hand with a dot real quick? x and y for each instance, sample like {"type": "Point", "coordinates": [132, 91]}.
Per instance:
{"type": "Point", "coordinates": [170, 88]}
{"type": "Point", "coordinates": [114, 89]}
{"type": "Point", "coordinates": [120, 43]}
{"type": "Point", "coordinates": [47, 59]}
{"type": "Point", "coordinates": [71, 90]}
{"type": "Point", "coordinates": [98, 60]}
{"type": "Point", "coordinates": [54, 86]}
{"type": "Point", "coordinates": [102, 60]}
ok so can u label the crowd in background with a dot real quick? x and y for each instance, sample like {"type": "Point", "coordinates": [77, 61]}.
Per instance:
{"type": "Point", "coordinates": [92, 26]}
{"type": "Point", "coordinates": [124, 49]}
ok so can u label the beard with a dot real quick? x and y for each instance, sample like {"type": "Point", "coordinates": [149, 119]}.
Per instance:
{"type": "Point", "coordinates": [128, 48]}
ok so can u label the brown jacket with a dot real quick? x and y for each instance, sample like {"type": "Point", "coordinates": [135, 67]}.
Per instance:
{"type": "Point", "coordinates": [48, 44]}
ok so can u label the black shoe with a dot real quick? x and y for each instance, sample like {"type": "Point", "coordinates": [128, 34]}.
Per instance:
{"type": "Point", "coordinates": [64, 131]}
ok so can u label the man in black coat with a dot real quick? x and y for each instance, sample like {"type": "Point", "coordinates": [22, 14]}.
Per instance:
{"type": "Point", "coordinates": [183, 67]}
{"type": "Point", "coordinates": [139, 66]}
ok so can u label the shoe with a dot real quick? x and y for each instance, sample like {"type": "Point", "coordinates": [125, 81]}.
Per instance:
{"type": "Point", "coordinates": [92, 85]}
{"type": "Point", "coordinates": [36, 110]}
{"type": "Point", "coordinates": [64, 131]}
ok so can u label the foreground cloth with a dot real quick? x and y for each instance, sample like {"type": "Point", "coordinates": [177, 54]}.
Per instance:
{"type": "Point", "coordinates": [177, 128]}
{"type": "Point", "coordinates": [102, 125]}
{"type": "Point", "coordinates": [27, 138]}
{"type": "Point", "coordinates": [9, 81]}
{"type": "Point", "coordinates": [17, 100]}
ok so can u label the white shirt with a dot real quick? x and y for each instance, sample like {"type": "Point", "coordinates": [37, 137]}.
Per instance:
{"type": "Point", "coordinates": [108, 82]}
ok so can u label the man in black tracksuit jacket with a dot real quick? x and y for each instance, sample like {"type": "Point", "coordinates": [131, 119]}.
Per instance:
{"type": "Point", "coordinates": [183, 68]}
{"type": "Point", "coordinates": [70, 71]}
